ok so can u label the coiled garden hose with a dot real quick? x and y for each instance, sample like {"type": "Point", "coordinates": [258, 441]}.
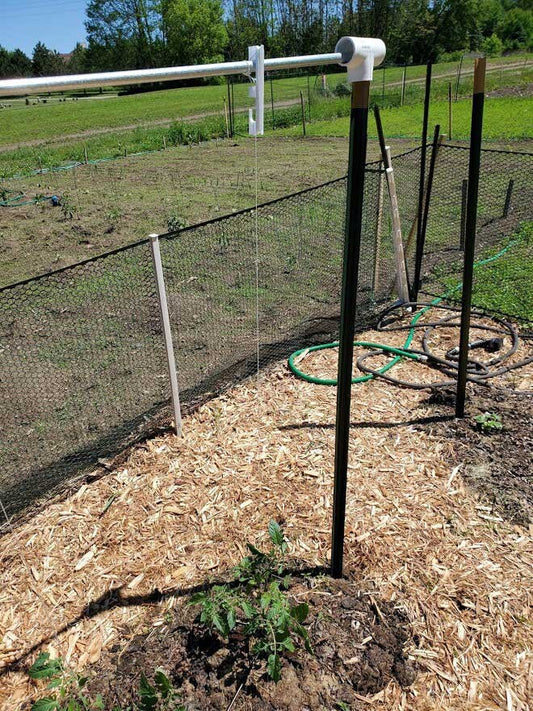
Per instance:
{"type": "Point", "coordinates": [478, 371]}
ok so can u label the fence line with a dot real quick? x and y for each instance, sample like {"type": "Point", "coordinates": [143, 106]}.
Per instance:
{"type": "Point", "coordinates": [83, 363]}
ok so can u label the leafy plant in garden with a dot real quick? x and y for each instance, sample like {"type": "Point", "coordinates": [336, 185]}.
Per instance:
{"type": "Point", "coordinates": [489, 422]}
{"type": "Point", "coordinates": [176, 222]}
{"type": "Point", "coordinates": [159, 696]}
{"type": "Point", "coordinates": [258, 606]}
{"type": "Point", "coordinates": [68, 208]}
{"type": "Point", "coordinates": [67, 688]}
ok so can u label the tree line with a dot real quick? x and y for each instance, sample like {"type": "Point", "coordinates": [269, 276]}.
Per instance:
{"type": "Point", "coordinates": [134, 34]}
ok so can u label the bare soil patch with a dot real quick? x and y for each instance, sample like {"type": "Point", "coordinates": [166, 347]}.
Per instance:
{"type": "Point", "coordinates": [499, 465]}
{"type": "Point", "coordinates": [526, 90]}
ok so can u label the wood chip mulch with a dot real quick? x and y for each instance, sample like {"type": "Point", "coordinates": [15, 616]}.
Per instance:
{"type": "Point", "coordinates": [79, 577]}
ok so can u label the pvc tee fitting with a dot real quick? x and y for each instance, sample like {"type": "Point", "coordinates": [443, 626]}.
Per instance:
{"type": "Point", "coordinates": [360, 55]}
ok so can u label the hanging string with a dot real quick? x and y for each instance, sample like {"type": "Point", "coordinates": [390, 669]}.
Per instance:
{"type": "Point", "coordinates": [257, 324]}
{"type": "Point", "coordinates": [256, 239]}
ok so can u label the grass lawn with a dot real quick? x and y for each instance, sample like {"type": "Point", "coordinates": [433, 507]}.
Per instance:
{"type": "Point", "coordinates": [504, 283]}
{"type": "Point", "coordinates": [21, 123]}
{"type": "Point", "coordinates": [504, 119]}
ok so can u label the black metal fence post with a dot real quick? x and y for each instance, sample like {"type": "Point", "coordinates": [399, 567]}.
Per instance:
{"type": "Point", "coordinates": [429, 187]}
{"type": "Point", "coordinates": [419, 235]}
{"type": "Point", "coordinates": [352, 250]}
{"type": "Point", "coordinates": [272, 103]}
{"type": "Point", "coordinates": [476, 132]}
{"type": "Point", "coordinates": [508, 197]}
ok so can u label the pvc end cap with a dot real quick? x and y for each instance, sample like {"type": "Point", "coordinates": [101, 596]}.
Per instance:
{"type": "Point", "coordinates": [360, 55]}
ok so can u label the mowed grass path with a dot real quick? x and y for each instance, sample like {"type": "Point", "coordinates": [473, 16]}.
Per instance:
{"type": "Point", "coordinates": [504, 119]}
{"type": "Point", "coordinates": [21, 123]}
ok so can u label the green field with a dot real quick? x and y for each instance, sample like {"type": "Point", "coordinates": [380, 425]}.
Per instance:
{"type": "Point", "coordinates": [503, 284]}
{"type": "Point", "coordinates": [505, 119]}
{"type": "Point", "coordinates": [21, 123]}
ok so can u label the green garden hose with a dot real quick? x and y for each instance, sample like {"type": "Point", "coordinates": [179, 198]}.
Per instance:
{"type": "Point", "coordinates": [401, 352]}
{"type": "Point", "coordinates": [16, 198]}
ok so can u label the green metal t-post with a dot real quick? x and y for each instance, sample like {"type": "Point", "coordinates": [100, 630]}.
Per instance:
{"type": "Point", "coordinates": [352, 251]}
{"type": "Point", "coordinates": [476, 133]}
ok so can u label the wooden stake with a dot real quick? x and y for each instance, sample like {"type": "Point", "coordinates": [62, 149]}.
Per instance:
{"type": "Point", "coordinates": [399, 256]}
{"type": "Point", "coordinates": [458, 77]}
{"type": "Point", "coordinates": [302, 103]}
{"type": "Point", "coordinates": [226, 118]}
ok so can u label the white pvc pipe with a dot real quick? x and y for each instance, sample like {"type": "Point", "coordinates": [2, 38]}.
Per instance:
{"type": "Point", "coordinates": [42, 85]}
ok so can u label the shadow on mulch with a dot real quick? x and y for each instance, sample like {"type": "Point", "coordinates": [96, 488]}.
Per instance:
{"type": "Point", "coordinates": [499, 464]}
{"type": "Point", "coordinates": [358, 647]}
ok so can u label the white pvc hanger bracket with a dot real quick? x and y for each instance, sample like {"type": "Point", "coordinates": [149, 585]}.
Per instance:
{"type": "Point", "coordinates": [360, 55]}
{"type": "Point", "coordinates": [256, 55]}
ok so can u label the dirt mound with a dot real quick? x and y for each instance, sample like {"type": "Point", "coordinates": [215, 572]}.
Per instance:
{"type": "Point", "coordinates": [525, 90]}
{"type": "Point", "coordinates": [358, 647]}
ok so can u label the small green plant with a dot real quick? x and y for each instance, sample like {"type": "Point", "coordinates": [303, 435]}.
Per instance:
{"type": "Point", "coordinates": [342, 89]}
{"type": "Point", "coordinates": [68, 208]}
{"type": "Point", "coordinates": [159, 696]}
{"type": "Point", "coordinates": [489, 422]}
{"type": "Point", "coordinates": [67, 690]}
{"type": "Point", "coordinates": [66, 686]}
{"type": "Point", "coordinates": [258, 606]}
{"type": "Point", "coordinates": [114, 214]}
{"type": "Point", "coordinates": [175, 222]}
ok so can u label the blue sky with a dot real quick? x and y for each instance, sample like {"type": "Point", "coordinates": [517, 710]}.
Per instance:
{"type": "Point", "coordinates": [57, 23]}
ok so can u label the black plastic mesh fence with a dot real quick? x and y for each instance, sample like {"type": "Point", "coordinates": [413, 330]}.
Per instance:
{"type": "Point", "coordinates": [505, 200]}
{"type": "Point", "coordinates": [82, 367]}
{"type": "Point", "coordinates": [82, 359]}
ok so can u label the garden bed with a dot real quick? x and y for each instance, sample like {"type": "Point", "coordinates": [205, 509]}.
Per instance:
{"type": "Point", "coordinates": [101, 577]}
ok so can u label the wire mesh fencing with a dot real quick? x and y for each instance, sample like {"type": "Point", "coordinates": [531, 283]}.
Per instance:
{"type": "Point", "coordinates": [82, 370]}
{"type": "Point", "coordinates": [505, 200]}
{"type": "Point", "coordinates": [82, 357]}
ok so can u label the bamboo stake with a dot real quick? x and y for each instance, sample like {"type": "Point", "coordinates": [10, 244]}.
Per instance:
{"type": "Point", "coordinates": [399, 256]}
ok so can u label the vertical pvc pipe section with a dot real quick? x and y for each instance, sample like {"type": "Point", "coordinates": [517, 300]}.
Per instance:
{"type": "Point", "coordinates": [352, 251]}
{"type": "Point", "coordinates": [167, 333]}
{"type": "Point", "coordinates": [419, 244]}
{"type": "Point", "coordinates": [476, 132]}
